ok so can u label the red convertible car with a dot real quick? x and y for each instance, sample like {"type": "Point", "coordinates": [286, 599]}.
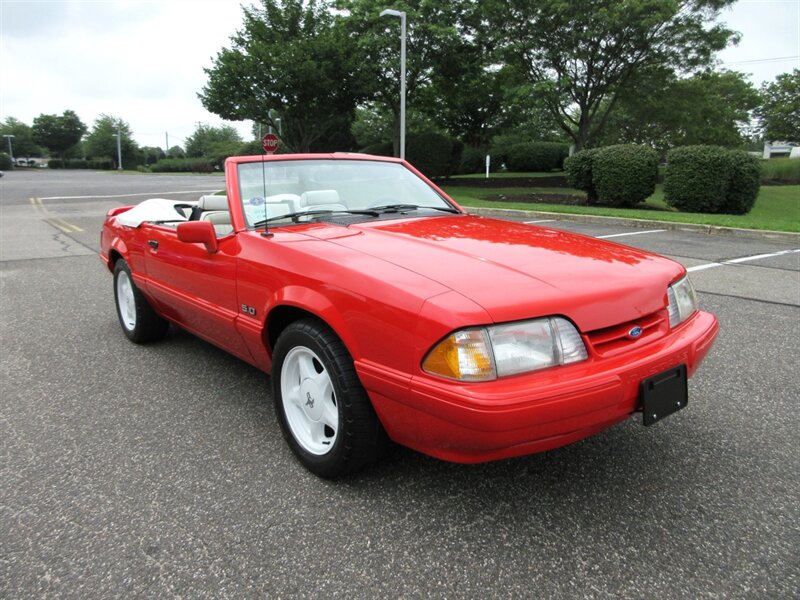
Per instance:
{"type": "Point", "coordinates": [384, 311]}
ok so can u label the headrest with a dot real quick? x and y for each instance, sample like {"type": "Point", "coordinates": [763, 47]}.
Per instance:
{"type": "Point", "coordinates": [316, 197]}
{"type": "Point", "coordinates": [213, 203]}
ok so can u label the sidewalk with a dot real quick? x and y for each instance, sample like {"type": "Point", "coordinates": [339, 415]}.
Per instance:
{"type": "Point", "coordinates": [533, 215]}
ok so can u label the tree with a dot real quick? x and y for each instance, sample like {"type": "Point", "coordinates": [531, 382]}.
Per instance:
{"type": "Point", "coordinates": [582, 57]}
{"type": "Point", "coordinates": [711, 108]}
{"type": "Point", "coordinates": [22, 143]}
{"type": "Point", "coordinates": [780, 108]}
{"type": "Point", "coordinates": [102, 142]}
{"type": "Point", "coordinates": [293, 58]}
{"type": "Point", "coordinates": [58, 133]}
{"type": "Point", "coordinates": [207, 139]}
{"type": "Point", "coordinates": [433, 38]}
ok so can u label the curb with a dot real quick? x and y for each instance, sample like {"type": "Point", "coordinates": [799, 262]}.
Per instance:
{"type": "Point", "coordinates": [756, 234]}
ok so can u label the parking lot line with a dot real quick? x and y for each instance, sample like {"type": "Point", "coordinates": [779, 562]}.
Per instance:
{"type": "Point", "coordinates": [59, 224]}
{"type": "Point", "coordinates": [743, 259]}
{"type": "Point", "coordinates": [540, 221]}
{"type": "Point", "coordinates": [605, 237]}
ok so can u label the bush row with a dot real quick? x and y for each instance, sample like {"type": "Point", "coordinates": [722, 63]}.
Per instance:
{"type": "Point", "coordinates": [434, 154]}
{"type": "Point", "coordinates": [711, 179]}
{"type": "Point", "coordinates": [536, 156]}
{"type": "Point", "coordinates": [182, 165]}
{"type": "Point", "coordinates": [102, 164]}
{"type": "Point", "coordinates": [621, 175]}
{"type": "Point", "coordinates": [5, 162]}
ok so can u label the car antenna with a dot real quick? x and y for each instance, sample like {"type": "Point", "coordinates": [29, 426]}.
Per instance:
{"type": "Point", "coordinates": [266, 232]}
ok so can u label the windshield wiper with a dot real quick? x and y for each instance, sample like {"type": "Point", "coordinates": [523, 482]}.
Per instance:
{"type": "Point", "coordinates": [391, 208]}
{"type": "Point", "coordinates": [295, 216]}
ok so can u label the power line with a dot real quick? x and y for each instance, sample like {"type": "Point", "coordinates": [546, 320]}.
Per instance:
{"type": "Point", "coordinates": [763, 60]}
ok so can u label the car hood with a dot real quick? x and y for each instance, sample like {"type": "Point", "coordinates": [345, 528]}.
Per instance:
{"type": "Point", "coordinates": [516, 271]}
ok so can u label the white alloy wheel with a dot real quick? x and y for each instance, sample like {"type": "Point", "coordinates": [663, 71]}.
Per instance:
{"type": "Point", "coordinates": [309, 401]}
{"type": "Point", "coordinates": [126, 301]}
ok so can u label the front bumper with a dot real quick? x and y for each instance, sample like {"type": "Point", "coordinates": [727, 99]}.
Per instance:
{"type": "Point", "coordinates": [529, 413]}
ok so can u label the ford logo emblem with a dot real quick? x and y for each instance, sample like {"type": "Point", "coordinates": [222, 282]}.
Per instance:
{"type": "Point", "coordinates": [635, 332]}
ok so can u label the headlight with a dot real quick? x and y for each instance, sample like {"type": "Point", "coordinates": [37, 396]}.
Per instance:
{"type": "Point", "coordinates": [682, 301]}
{"type": "Point", "coordinates": [486, 353]}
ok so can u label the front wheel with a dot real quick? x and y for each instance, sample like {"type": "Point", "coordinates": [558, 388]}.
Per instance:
{"type": "Point", "coordinates": [139, 321]}
{"type": "Point", "coordinates": [324, 412]}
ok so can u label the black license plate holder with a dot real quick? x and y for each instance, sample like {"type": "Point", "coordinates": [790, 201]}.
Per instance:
{"type": "Point", "coordinates": [664, 394]}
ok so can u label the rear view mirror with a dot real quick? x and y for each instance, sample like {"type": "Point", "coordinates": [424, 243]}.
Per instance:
{"type": "Point", "coordinates": [199, 232]}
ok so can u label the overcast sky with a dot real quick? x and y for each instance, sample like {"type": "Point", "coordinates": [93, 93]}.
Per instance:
{"type": "Point", "coordinates": [143, 60]}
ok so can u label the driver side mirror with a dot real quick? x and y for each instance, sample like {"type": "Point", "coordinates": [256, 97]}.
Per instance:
{"type": "Point", "coordinates": [199, 232]}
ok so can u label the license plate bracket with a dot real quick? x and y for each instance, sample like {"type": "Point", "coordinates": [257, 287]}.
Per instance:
{"type": "Point", "coordinates": [664, 394]}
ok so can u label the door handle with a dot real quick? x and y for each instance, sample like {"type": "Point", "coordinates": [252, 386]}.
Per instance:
{"type": "Point", "coordinates": [153, 244]}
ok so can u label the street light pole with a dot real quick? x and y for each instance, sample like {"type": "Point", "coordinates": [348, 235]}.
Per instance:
{"type": "Point", "coordinates": [389, 12]}
{"type": "Point", "coordinates": [10, 151]}
{"type": "Point", "coordinates": [118, 135]}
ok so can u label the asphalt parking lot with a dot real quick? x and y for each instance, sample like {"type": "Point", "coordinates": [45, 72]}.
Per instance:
{"type": "Point", "coordinates": [159, 471]}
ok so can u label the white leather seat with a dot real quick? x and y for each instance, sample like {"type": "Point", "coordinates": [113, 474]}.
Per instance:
{"type": "Point", "coordinates": [215, 210]}
{"type": "Point", "coordinates": [321, 200]}
{"type": "Point", "coordinates": [221, 219]}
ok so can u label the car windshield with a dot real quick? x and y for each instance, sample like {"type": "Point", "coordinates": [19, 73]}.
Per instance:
{"type": "Point", "coordinates": [292, 191]}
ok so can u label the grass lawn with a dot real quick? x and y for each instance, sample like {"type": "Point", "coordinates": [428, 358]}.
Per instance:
{"type": "Point", "coordinates": [777, 207]}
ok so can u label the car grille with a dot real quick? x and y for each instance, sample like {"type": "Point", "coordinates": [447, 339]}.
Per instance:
{"type": "Point", "coordinates": [616, 339]}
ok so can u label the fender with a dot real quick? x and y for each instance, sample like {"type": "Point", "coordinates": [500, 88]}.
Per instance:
{"type": "Point", "coordinates": [316, 303]}
{"type": "Point", "coordinates": [120, 247]}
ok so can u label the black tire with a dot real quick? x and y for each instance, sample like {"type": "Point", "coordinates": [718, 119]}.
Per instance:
{"type": "Point", "coordinates": [358, 439]}
{"type": "Point", "coordinates": [138, 320]}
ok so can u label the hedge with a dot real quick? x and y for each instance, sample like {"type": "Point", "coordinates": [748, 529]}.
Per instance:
{"type": "Point", "coordinates": [578, 168]}
{"type": "Point", "coordinates": [473, 160]}
{"type": "Point", "coordinates": [5, 161]}
{"type": "Point", "coordinates": [697, 178]}
{"type": "Point", "coordinates": [744, 184]}
{"type": "Point", "coordinates": [431, 153]}
{"type": "Point", "coordinates": [382, 149]}
{"type": "Point", "coordinates": [536, 156]}
{"type": "Point", "coordinates": [625, 174]}
{"type": "Point", "coordinates": [182, 165]}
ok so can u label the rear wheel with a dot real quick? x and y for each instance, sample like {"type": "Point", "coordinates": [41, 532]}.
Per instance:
{"type": "Point", "coordinates": [139, 321]}
{"type": "Point", "coordinates": [324, 412]}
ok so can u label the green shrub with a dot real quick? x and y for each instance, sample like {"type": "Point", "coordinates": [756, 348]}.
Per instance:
{"type": "Point", "coordinates": [744, 183]}
{"type": "Point", "coordinates": [473, 160]}
{"type": "Point", "coordinates": [456, 152]}
{"type": "Point", "coordinates": [182, 165]}
{"type": "Point", "coordinates": [102, 163]}
{"type": "Point", "coordinates": [382, 149]}
{"type": "Point", "coordinates": [537, 156]}
{"type": "Point", "coordinates": [5, 162]}
{"type": "Point", "coordinates": [76, 163]}
{"type": "Point", "coordinates": [697, 178]}
{"type": "Point", "coordinates": [55, 163]}
{"type": "Point", "coordinates": [624, 175]}
{"type": "Point", "coordinates": [430, 153]}
{"type": "Point", "coordinates": [578, 168]}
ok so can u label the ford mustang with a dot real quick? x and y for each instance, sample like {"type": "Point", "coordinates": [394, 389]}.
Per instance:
{"type": "Point", "coordinates": [385, 312]}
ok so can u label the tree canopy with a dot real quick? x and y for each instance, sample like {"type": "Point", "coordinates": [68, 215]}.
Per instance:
{"type": "Point", "coordinates": [102, 142]}
{"type": "Point", "coordinates": [22, 143]}
{"type": "Point", "coordinates": [289, 57]}
{"type": "Point", "coordinates": [58, 133]}
{"type": "Point", "coordinates": [780, 108]}
{"type": "Point", "coordinates": [582, 57]}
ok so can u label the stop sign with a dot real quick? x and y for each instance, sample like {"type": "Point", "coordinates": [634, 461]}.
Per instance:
{"type": "Point", "coordinates": [270, 143]}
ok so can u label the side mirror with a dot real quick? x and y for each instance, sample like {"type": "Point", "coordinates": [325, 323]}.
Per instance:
{"type": "Point", "coordinates": [199, 232]}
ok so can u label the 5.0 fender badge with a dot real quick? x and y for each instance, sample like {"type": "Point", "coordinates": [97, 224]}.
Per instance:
{"type": "Point", "coordinates": [635, 332]}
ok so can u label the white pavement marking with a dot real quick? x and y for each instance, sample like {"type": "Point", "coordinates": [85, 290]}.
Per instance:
{"type": "Point", "coordinates": [605, 237]}
{"type": "Point", "coordinates": [153, 194]}
{"type": "Point", "coordinates": [541, 221]}
{"type": "Point", "coordinates": [743, 259]}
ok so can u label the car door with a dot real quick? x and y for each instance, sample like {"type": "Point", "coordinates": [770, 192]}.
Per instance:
{"type": "Point", "coordinates": [195, 288]}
